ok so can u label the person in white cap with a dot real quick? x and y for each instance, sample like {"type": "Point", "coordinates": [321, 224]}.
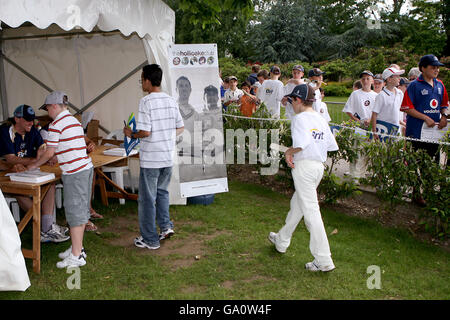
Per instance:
{"type": "Point", "coordinates": [272, 92]}
{"type": "Point", "coordinates": [66, 141]}
{"type": "Point", "coordinates": [297, 78]}
{"type": "Point", "coordinates": [359, 108]}
{"type": "Point", "coordinates": [388, 101]}
{"type": "Point", "coordinates": [311, 140]}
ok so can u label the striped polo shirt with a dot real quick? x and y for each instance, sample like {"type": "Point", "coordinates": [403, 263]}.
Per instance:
{"type": "Point", "coordinates": [158, 114]}
{"type": "Point", "coordinates": [66, 134]}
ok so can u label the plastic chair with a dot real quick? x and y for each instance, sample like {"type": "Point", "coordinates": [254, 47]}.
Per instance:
{"type": "Point", "coordinates": [117, 171]}
{"type": "Point", "coordinates": [14, 207]}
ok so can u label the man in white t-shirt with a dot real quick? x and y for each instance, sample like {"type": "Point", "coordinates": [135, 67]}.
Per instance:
{"type": "Point", "coordinates": [315, 77]}
{"type": "Point", "coordinates": [360, 103]}
{"type": "Point", "coordinates": [359, 108]}
{"type": "Point", "coordinates": [233, 94]}
{"type": "Point", "coordinates": [272, 92]}
{"type": "Point", "coordinates": [158, 122]}
{"type": "Point", "coordinates": [311, 140]}
{"type": "Point", "coordinates": [388, 101]}
{"type": "Point", "coordinates": [297, 78]}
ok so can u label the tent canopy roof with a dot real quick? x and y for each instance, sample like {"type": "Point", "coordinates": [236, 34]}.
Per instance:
{"type": "Point", "coordinates": [145, 17]}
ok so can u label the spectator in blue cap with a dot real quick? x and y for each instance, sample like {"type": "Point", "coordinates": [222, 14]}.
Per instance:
{"type": "Point", "coordinates": [425, 103]}
{"type": "Point", "coordinates": [20, 144]}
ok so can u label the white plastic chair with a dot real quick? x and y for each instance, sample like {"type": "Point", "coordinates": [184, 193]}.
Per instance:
{"type": "Point", "coordinates": [117, 172]}
{"type": "Point", "coordinates": [14, 207]}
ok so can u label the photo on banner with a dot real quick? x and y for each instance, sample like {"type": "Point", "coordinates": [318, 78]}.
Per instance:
{"type": "Point", "coordinates": [194, 72]}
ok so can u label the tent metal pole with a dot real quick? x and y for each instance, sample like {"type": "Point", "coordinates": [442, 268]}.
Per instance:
{"type": "Point", "coordinates": [43, 85]}
{"type": "Point", "coordinates": [3, 97]}
{"type": "Point", "coordinates": [115, 85]}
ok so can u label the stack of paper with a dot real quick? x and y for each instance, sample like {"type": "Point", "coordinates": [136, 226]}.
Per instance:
{"type": "Point", "coordinates": [34, 176]}
{"type": "Point", "coordinates": [119, 152]}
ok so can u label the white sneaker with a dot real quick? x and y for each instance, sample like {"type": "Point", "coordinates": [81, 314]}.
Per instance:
{"type": "Point", "coordinates": [65, 254]}
{"type": "Point", "coordinates": [62, 230]}
{"type": "Point", "coordinates": [53, 235]}
{"type": "Point", "coordinates": [166, 234]}
{"type": "Point", "coordinates": [273, 239]}
{"type": "Point", "coordinates": [312, 266]}
{"type": "Point", "coordinates": [71, 261]}
{"type": "Point", "coordinates": [140, 243]}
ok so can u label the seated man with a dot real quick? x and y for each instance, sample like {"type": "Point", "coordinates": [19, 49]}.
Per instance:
{"type": "Point", "coordinates": [20, 143]}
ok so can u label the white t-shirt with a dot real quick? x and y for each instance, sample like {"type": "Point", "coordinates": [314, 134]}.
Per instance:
{"type": "Point", "coordinates": [360, 104]}
{"type": "Point", "coordinates": [387, 106]}
{"type": "Point", "coordinates": [271, 93]}
{"type": "Point", "coordinates": [159, 114]}
{"type": "Point", "coordinates": [312, 133]}
{"type": "Point", "coordinates": [289, 110]}
{"type": "Point", "coordinates": [321, 107]}
{"type": "Point", "coordinates": [232, 95]}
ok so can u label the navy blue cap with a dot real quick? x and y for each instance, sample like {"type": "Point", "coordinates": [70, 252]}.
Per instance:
{"type": "Point", "coordinates": [429, 60]}
{"type": "Point", "coordinates": [315, 72]}
{"type": "Point", "coordinates": [25, 111]}
{"type": "Point", "coordinates": [275, 70]}
{"type": "Point", "coordinates": [301, 91]}
{"type": "Point", "coordinates": [366, 72]}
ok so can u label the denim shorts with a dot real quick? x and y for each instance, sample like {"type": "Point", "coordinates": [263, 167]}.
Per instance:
{"type": "Point", "coordinates": [77, 197]}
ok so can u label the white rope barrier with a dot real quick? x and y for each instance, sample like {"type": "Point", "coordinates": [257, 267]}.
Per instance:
{"type": "Point", "coordinates": [346, 127]}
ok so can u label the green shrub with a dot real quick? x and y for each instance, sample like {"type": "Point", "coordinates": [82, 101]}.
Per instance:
{"type": "Point", "coordinates": [336, 90]}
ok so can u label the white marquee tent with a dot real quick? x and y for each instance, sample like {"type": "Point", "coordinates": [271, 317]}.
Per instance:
{"type": "Point", "coordinates": [91, 49]}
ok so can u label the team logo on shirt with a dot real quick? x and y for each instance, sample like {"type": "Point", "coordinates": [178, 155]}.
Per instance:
{"type": "Point", "coordinates": [424, 92]}
{"type": "Point", "coordinates": [317, 134]}
{"type": "Point", "coordinates": [367, 102]}
{"type": "Point", "coordinates": [433, 103]}
{"type": "Point", "coordinates": [269, 91]}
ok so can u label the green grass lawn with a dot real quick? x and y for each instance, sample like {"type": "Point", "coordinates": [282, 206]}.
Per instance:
{"type": "Point", "coordinates": [236, 261]}
{"type": "Point", "coordinates": [335, 110]}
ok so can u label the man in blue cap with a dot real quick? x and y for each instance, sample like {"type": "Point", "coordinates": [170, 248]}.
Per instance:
{"type": "Point", "coordinates": [425, 103]}
{"type": "Point", "coordinates": [20, 144]}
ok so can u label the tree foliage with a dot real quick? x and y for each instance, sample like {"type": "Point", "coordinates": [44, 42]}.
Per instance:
{"type": "Point", "coordinates": [312, 30]}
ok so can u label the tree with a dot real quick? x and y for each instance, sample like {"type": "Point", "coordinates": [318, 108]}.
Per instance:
{"type": "Point", "coordinates": [221, 22]}
{"type": "Point", "coordinates": [288, 31]}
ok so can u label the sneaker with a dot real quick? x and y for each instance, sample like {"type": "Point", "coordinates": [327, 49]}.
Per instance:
{"type": "Point", "coordinates": [166, 234]}
{"type": "Point", "coordinates": [71, 261]}
{"type": "Point", "coordinates": [65, 254]}
{"type": "Point", "coordinates": [312, 266]}
{"type": "Point", "coordinates": [53, 235]}
{"type": "Point", "coordinates": [273, 239]}
{"type": "Point", "coordinates": [140, 243]}
{"type": "Point", "coordinates": [62, 230]}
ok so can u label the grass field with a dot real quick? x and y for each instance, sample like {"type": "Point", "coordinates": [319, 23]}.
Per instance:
{"type": "Point", "coordinates": [335, 110]}
{"type": "Point", "coordinates": [235, 259]}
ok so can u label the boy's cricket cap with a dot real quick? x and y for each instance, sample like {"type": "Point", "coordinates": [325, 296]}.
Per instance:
{"type": "Point", "coordinates": [366, 72]}
{"type": "Point", "coordinates": [429, 60]}
{"type": "Point", "coordinates": [404, 81]}
{"type": "Point", "coordinates": [378, 78]}
{"type": "Point", "coordinates": [25, 111]}
{"type": "Point", "coordinates": [315, 72]}
{"type": "Point", "coordinates": [298, 67]}
{"type": "Point", "coordinates": [392, 72]}
{"type": "Point", "coordinates": [303, 92]}
{"type": "Point", "coordinates": [275, 70]}
{"type": "Point", "coordinates": [56, 97]}
{"type": "Point", "coordinates": [232, 78]}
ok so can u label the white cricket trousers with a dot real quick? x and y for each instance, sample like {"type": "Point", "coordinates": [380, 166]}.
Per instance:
{"type": "Point", "coordinates": [304, 203]}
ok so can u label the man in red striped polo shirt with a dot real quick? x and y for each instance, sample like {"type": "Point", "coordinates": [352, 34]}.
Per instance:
{"type": "Point", "coordinates": [66, 141]}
